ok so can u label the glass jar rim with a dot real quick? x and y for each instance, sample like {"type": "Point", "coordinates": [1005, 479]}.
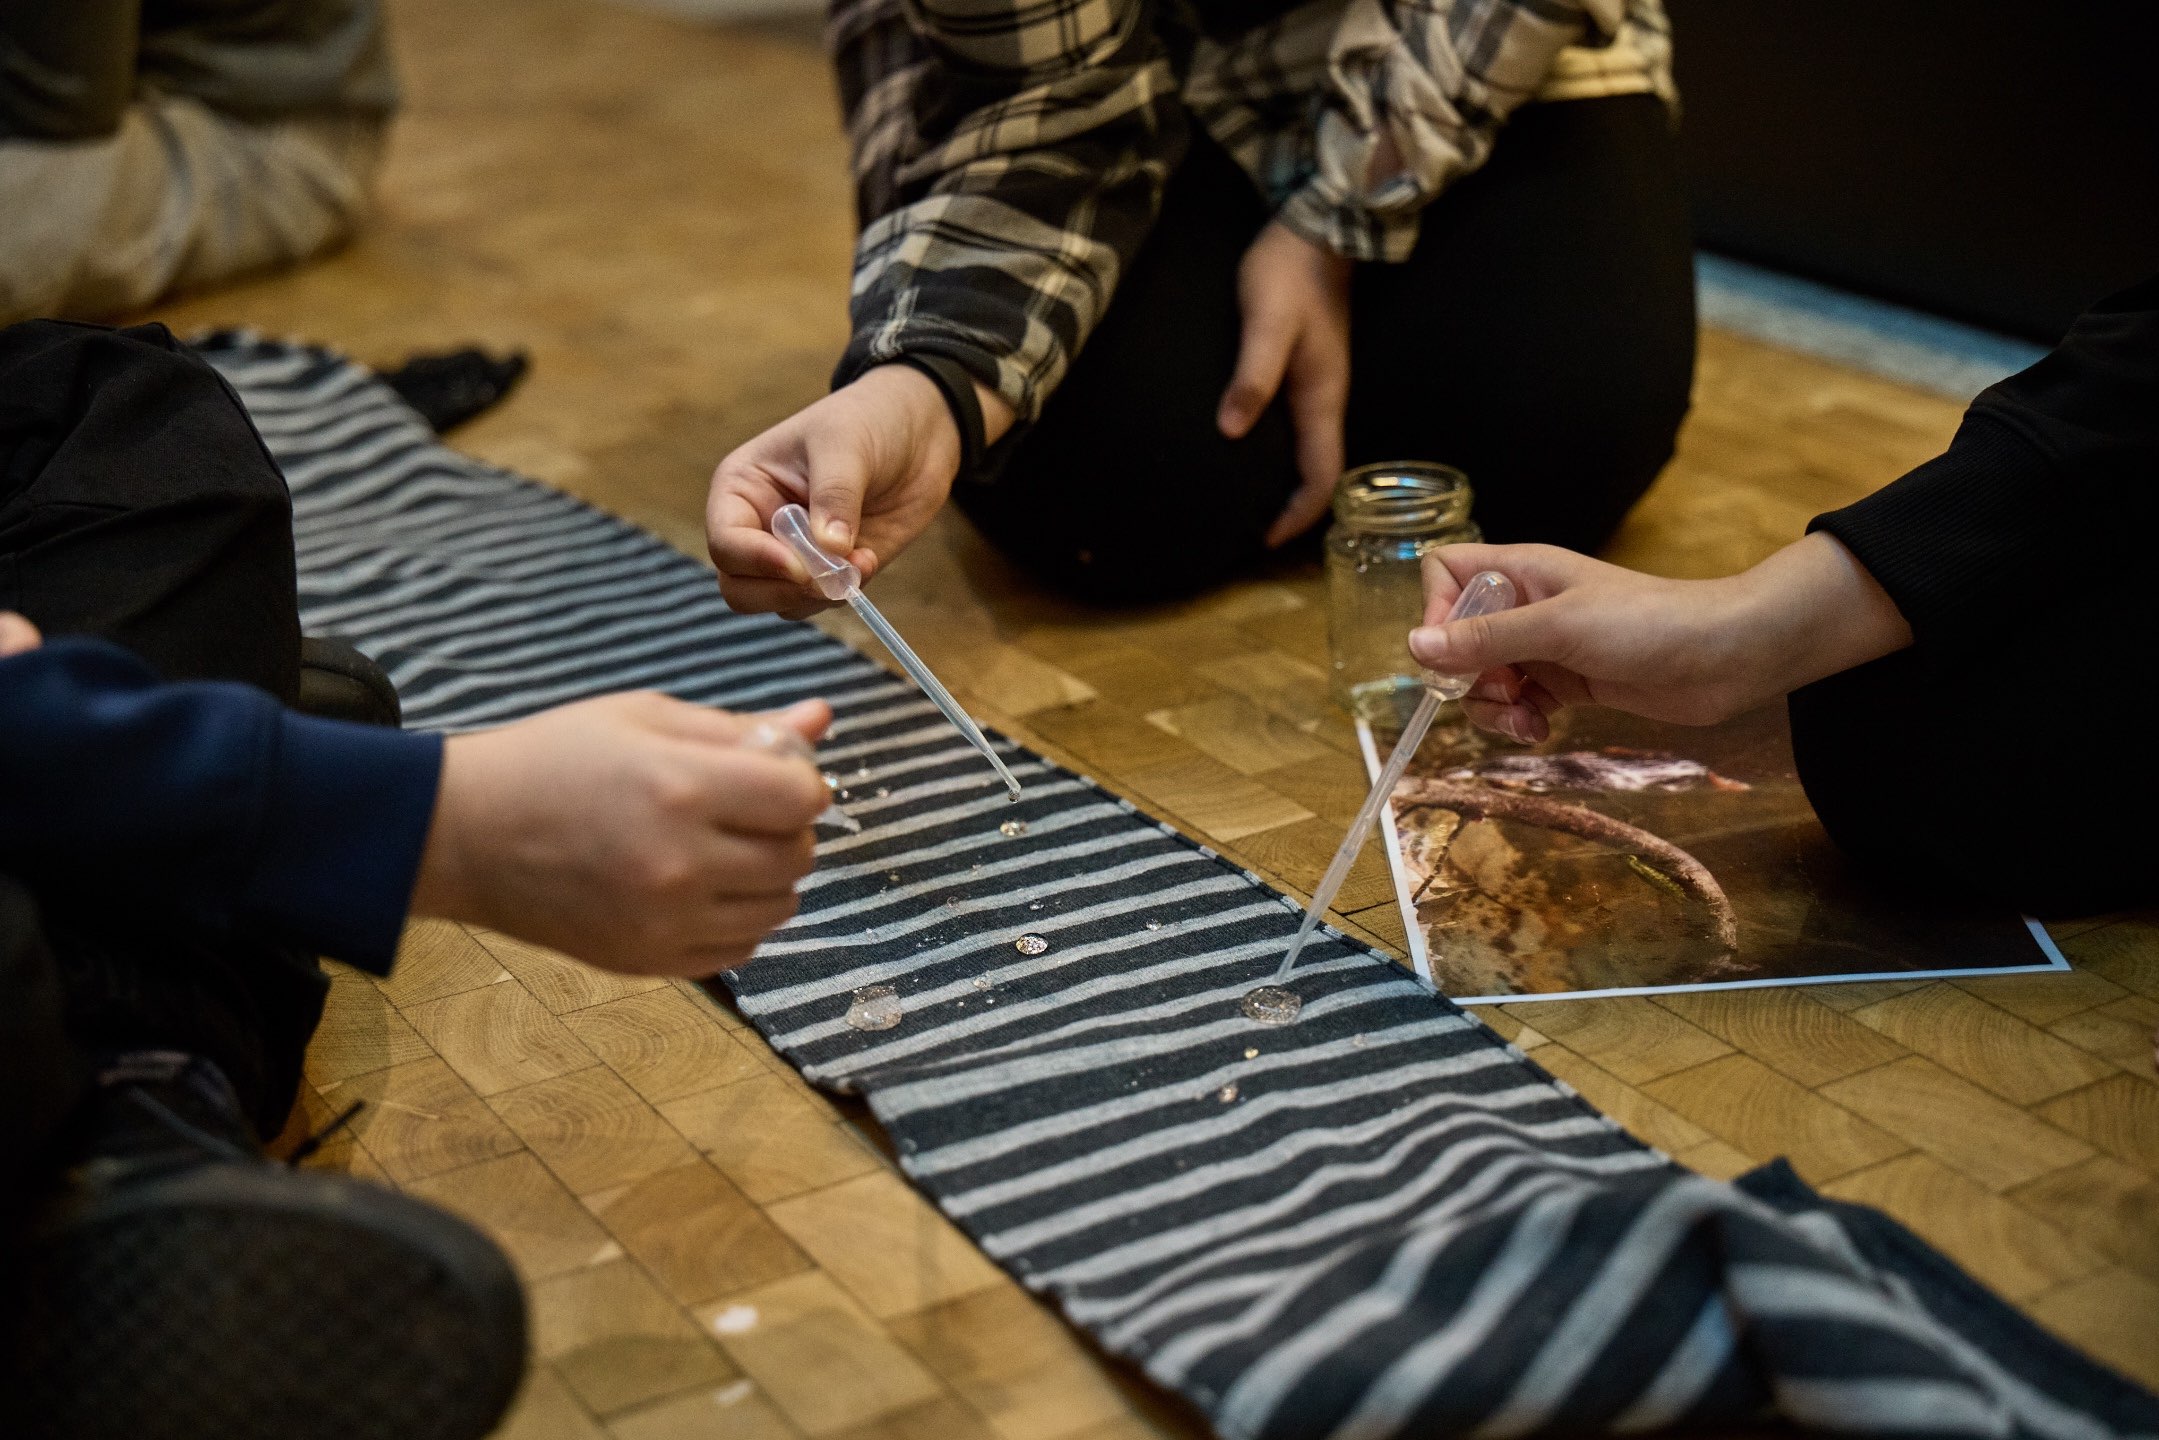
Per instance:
{"type": "Point", "coordinates": [1402, 497]}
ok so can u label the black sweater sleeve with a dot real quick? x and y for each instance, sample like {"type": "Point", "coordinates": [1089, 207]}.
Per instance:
{"type": "Point", "coordinates": [2053, 478]}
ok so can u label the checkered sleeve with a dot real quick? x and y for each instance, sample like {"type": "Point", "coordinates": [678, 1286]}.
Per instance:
{"type": "Point", "coordinates": [1009, 157]}
{"type": "Point", "coordinates": [1353, 116]}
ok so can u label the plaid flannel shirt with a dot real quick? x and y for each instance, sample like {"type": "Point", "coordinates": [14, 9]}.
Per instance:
{"type": "Point", "coordinates": [1009, 155]}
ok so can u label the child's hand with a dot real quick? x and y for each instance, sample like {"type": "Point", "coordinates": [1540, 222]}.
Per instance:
{"type": "Point", "coordinates": [1690, 651]}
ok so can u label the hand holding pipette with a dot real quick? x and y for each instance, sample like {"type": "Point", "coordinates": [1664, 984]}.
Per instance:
{"type": "Point", "coordinates": [1487, 593]}
{"type": "Point", "coordinates": [838, 580]}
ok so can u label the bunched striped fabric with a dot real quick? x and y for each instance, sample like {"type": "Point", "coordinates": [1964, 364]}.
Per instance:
{"type": "Point", "coordinates": [1380, 1221]}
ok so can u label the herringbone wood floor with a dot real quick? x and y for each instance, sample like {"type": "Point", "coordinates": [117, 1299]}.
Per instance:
{"type": "Point", "coordinates": [659, 214]}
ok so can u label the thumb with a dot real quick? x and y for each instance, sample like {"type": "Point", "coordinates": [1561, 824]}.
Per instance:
{"type": "Point", "coordinates": [1262, 357]}
{"type": "Point", "coordinates": [838, 480]}
{"type": "Point", "coordinates": [806, 718]}
{"type": "Point", "coordinates": [1487, 642]}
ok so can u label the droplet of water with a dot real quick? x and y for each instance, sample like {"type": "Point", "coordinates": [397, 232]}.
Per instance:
{"type": "Point", "coordinates": [862, 771]}
{"type": "Point", "coordinates": [1030, 944]}
{"type": "Point", "coordinates": [1036, 906]}
{"type": "Point", "coordinates": [1251, 1052]}
{"type": "Point", "coordinates": [875, 1007]}
{"type": "Point", "coordinates": [1357, 1040]}
{"type": "Point", "coordinates": [1012, 828]}
{"type": "Point", "coordinates": [1272, 1005]}
{"type": "Point", "coordinates": [953, 901]}
{"type": "Point", "coordinates": [982, 982]}
{"type": "Point", "coordinates": [892, 877]}
{"type": "Point", "coordinates": [1227, 1093]}
{"type": "Point", "coordinates": [832, 782]}
{"type": "Point", "coordinates": [1154, 924]}
{"type": "Point", "coordinates": [883, 791]}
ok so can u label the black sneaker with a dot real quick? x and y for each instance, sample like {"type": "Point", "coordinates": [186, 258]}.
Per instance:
{"type": "Point", "coordinates": [183, 1286]}
{"type": "Point", "coordinates": [337, 682]}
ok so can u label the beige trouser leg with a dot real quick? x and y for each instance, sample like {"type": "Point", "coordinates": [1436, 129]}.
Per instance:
{"type": "Point", "coordinates": [179, 197]}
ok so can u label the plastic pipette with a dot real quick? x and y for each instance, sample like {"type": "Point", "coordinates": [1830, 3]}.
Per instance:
{"type": "Point", "coordinates": [838, 580]}
{"type": "Point", "coordinates": [1487, 593]}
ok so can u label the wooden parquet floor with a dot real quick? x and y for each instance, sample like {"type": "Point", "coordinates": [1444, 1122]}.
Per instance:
{"type": "Point", "coordinates": [659, 214]}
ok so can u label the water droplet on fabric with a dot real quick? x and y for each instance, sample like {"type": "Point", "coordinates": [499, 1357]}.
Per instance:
{"type": "Point", "coordinates": [1154, 924]}
{"type": "Point", "coordinates": [832, 782]}
{"type": "Point", "coordinates": [1357, 1040]}
{"type": "Point", "coordinates": [1227, 1093]}
{"type": "Point", "coordinates": [1036, 906]}
{"type": "Point", "coordinates": [883, 791]}
{"type": "Point", "coordinates": [1011, 829]}
{"type": "Point", "coordinates": [892, 877]}
{"type": "Point", "coordinates": [1031, 945]}
{"type": "Point", "coordinates": [982, 982]}
{"type": "Point", "coordinates": [1251, 1052]}
{"type": "Point", "coordinates": [875, 1007]}
{"type": "Point", "coordinates": [953, 901]}
{"type": "Point", "coordinates": [1272, 1005]}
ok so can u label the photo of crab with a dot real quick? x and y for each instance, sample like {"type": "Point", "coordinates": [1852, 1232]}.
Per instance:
{"type": "Point", "coordinates": [1627, 855]}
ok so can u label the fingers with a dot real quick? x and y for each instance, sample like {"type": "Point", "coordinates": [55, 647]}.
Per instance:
{"type": "Point", "coordinates": [1488, 642]}
{"type": "Point", "coordinates": [839, 478]}
{"type": "Point", "coordinates": [1538, 572]}
{"type": "Point", "coordinates": [1262, 359]}
{"type": "Point", "coordinates": [1521, 723]}
{"type": "Point", "coordinates": [1318, 399]}
{"type": "Point", "coordinates": [808, 718]}
{"type": "Point", "coordinates": [17, 634]}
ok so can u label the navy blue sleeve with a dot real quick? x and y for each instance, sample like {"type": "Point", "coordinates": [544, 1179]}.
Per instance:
{"type": "Point", "coordinates": [211, 798]}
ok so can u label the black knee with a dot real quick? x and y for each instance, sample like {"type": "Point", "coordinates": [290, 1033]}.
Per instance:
{"type": "Point", "coordinates": [141, 506]}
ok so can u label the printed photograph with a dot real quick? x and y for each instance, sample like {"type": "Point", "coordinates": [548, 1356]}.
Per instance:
{"type": "Point", "coordinates": [1627, 855]}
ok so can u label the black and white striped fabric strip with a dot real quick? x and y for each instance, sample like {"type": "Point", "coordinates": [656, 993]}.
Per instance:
{"type": "Point", "coordinates": [1379, 1221]}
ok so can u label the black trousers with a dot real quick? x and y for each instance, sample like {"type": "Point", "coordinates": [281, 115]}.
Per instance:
{"type": "Point", "coordinates": [138, 504]}
{"type": "Point", "coordinates": [1540, 337]}
{"type": "Point", "coordinates": [1947, 772]}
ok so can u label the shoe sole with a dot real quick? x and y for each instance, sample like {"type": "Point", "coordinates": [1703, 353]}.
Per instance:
{"type": "Point", "coordinates": [257, 1303]}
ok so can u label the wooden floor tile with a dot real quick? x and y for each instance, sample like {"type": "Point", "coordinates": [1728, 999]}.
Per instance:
{"type": "Point", "coordinates": [823, 1361]}
{"type": "Point", "coordinates": [2112, 1316]}
{"type": "Point", "coordinates": [1861, 993]}
{"type": "Point", "coordinates": [498, 1036]}
{"type": "Point", "coordinates": [1788, 1030]}
{"type": "Point", "coordinates": [2125, 952]}
{"type": "Point", "coordinates": [1986, 1045]}
{"type": "Point", "coordinates": [1632, 1038]}
{"type": "Point", "coordinates": [1985, 1139]}
{"type": "Point", "coordinates": [1644, 1118]}
{"type": "Point", "coordinates": [2044, 998]}
{"type": "Point", "coordinates": [2003, 1245]}
{"type": "Point", "coordinates": [361, 1031]}
{"type": "Point", "coordinates": [557, 981]}
{"type": "Point", "coordinates": [438, 958]}
{"type": "Point", "coordinates": [546, 1410]}
{"type": "Point", "coordinates": [696, 1234]}
{"type": "Point", "coordinates": [593, 1131]}
{"type": "Point", "coordinates": [1014, 1362]}
{"type": "Point", "coordinates": [2119, 1115]}
{"type": "Point", "coordinates": [617, 1341]}
{"type": "Point", "coordinates": [1212, 799]}
{"type": "Point", "coordinates": [524, 1209]}
{"type": "Point", "coordinates": [2106, 1205]}
{"type": "Point", "coordinates": [943, 1419]}
{"type": "Point", "coordinates": [420, 1120]}
{"type": "Point", "coordinates": [731, 1411]}
{"type": "Point", "coordinates": [663, 1043]}
{"type": "Point", "coordinates": [1717, 1159]}
{"type": "Point", "coordinates": [767, 1139]}
{"type": "Point", "coordinates": [1298, 855]}
{"type": "Point", "coordinates": [2121, 1033]}
{"type": "Point", "coordinates": [886, 1244]}
{"type": "Point", "coordinates": [1743, 1101]}
{"type": "Point", "coordinates": [1238, 733]}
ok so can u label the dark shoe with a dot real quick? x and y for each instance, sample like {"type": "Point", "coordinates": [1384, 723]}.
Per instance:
{"type": "Point", "coordinates": [182, 1286]}
{"type": "Point", "coordinates": [337, 682]}
{"type": "Point", "coordinates": [451, 388]}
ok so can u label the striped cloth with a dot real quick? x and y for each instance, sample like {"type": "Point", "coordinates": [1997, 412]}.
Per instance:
{"type": "Point", "coordinates": [1380, 1221]}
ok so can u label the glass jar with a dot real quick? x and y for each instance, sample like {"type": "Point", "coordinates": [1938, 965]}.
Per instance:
{"type": "Point", "coordinates": [1385, 518]}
